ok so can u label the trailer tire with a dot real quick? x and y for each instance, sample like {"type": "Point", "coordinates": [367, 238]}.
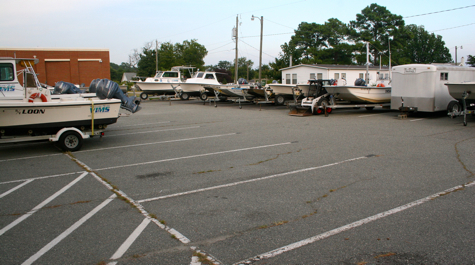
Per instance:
{"type": "Point", "coordinates": [143, 95]}
{"type": "Point", "coordinates": [70, 141]}
{"type": "Point", "coordinates": [454, 106]}
{"type": "Point", "coordinates": [203, 96]}
{"type": "Point", "coordinates": [279, 100]}
{"type": "Point", "coordinates": [369, 108]}
{"type": "Point", "coordinates": [185, 96]}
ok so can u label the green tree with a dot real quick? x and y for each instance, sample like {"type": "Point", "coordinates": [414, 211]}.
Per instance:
{"type": "Point", "coordinates": [471, 60]}
{"type": "Point", "coordinates": [187, 53]}
{"type": "Point", "coordinates": [425, 47]}
{"type": "Point", "coordinates": [118, 70]}
{"type": "Point", "coordinates": [377, 25]}
{"type": "Point", "coordinates": [321, 44]}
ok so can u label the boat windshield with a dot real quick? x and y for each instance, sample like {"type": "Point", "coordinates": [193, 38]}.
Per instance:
{"type": "Point", "coordinates": [170, 74]}
{"type": "Point", "coordinates": [198, 75]}
{"type": "Point", "coordinates": [6, 72]}
{"type": "Point", "coordinates": [158, 74]}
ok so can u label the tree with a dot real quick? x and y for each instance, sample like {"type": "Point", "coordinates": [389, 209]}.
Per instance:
{"type": "Point", "coordinates": [425, 47]}
{"type": "Point", "coordinates": [118, 70]}
{"type": "Point", "coordinates": [187, 53]}
{"type": "Point", "coordinates": [471, 60]}
{"type": "Point", "coordinates": [377, 26]}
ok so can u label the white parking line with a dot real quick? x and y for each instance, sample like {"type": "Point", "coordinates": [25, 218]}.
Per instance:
{"type": "Point", "coordinates": [15, 188]}
{"type": "Point", "coordinates": [39, 206]}
{"type": "Point", "coordinates": [368, 115]}
{"type": "Point", "coordinates": [248, 181]}
{"type": "Point", "coordinates": [142, 210]}
{"type": "Point", "coordinates": [166, 130]}
{"type": "Point", "coordinates": [142, 124]}
{"type": "Point", "coordinates": [361, 222]}
{"type": "Point", "coordinates": [417, 120]}
{"type": "Point", "coordinates": [192, 156]}
{"type": "Point", "coordinates": [45, 177]}
{"type": "Point", "coordinates": [129, 241]}
{"type": "Point", "coordinates": [161, 142]}
{"type": "Point", "coordinates": [68, 231]}
{"type": "Point", "coordinates": [28, 157]}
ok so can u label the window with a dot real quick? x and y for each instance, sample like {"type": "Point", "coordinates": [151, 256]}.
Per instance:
{"type": "Point", "coordinates": [361, 75]}
{"type": "Point", "coordinates": [444, 76]}
{"type": "Point", "coordinates": [170, 74]}
{"type": "Point", "coordinates": [294, 78]}
{"type": "Point", "coordinates": [287, 78]}
{"type": "Point", "coordinates": [337, 76]}
{"type": "Point", "coordinates": [199, 75]}
{"type": "Point", "coordinates": [6, 72]}
{"type": "Point", "coordinates": [312, 76]}
{"type": "Point", "coordinates": [209, 76]}
{"type": "Point", "coordinates": [343, 76]}
{"type": "Point", "coordinates": [319, 76]}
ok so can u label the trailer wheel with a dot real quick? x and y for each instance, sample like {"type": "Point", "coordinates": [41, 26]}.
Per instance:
{"type": "Point", "coordinates": [203, 96]}
{"type": "Point", "coordinates": [369, 108]}
{"type": "Point", "coordinates": [279, 100]}
{"type": "Point", "coordinates": [143, 95]}
{"type": "Point", "coordinates": [184, 96]}
{"type": "Point", "coordinates": [70, 141]}
{"type": "Point", "coordinates": [453, 107]}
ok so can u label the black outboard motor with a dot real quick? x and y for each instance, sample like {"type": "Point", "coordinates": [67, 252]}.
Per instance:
{"type": "Point", "coordinates": [62, 87]}
{"type": "Point", "coordinates": [106, 88]}
{"type": "Point", "coordinates": [242, 81]}
{"type": "Point", "coordinates": [93, 85]}
{"type": "Point", "coordinates": [360, 82]}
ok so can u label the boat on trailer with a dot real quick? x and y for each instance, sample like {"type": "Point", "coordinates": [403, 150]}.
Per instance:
{"type": "Point", "coordinates": [30, 112]}
{"type": "Point", "coordinates": [196, 85]}
{"type": "Point", "coordinates": [163, 83]}
{"type": "Point", "coordinates": [464, 103]}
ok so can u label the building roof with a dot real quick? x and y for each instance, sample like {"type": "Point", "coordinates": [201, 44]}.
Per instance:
{"type": "Point", "coordinates": [337, 67]}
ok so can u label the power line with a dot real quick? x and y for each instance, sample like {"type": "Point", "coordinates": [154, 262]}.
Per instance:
{"type": "Point", "coordinates": [454, 27]}
{"type": "Point", "coordinates": [440, 11]}
{"type": "Point", "coordinates": [267, 35]}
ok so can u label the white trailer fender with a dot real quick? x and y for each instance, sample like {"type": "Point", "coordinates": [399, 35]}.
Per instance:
{"type": "Point", "coordinates": [55, 138]}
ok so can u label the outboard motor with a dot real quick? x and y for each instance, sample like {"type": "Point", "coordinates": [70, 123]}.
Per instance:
{"type": "Point", "coordinates": [62, 87]}
{"type": "Point", "coordinates": [360, 82]}
{"type": "Point", "coordinates": [242, 81]}
{"type": "Point", "coordinates": [93, 85]}
{"type": "Point", "coordinates": [106, 88]}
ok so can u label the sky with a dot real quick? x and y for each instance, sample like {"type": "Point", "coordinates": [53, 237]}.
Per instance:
{"type": "Point", "coordinates": [124, 25]}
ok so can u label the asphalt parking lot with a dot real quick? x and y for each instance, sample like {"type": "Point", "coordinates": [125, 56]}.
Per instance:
{"type": "Point", "coordinates": [182, 182]}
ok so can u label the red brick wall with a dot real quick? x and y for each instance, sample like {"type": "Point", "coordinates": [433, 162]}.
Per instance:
{"type": "Point", "coordinates": [69, 65]}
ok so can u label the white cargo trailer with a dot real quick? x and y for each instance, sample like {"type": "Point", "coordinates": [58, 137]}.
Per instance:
{"type": "Point", "coordinates": [421, 87]}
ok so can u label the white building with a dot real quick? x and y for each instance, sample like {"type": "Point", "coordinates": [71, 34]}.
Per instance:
{"type": "Point", "coordinates": [344, 74]}
{"type": "Point", "coordinates": [128, 77]}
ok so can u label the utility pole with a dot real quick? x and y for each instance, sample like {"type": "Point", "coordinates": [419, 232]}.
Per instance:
{"type": "Point", "coordinates": [260, 51]}
{"type": "Point", "coordinates": [236, 63]}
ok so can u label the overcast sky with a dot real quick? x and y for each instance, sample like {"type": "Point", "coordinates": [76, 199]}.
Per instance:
{"type": "Point", "coordinates": [124, 25]}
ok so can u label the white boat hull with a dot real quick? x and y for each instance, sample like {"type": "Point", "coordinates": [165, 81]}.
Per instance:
{"type": "Point", "coordinates": [282, 89]}
{"type": "Point", "coordinates": [361, 94]}
{"type": "Point", "coordinates": [19, 115]}
{"type": "Point", "coordinates": [161, 88]}
{"type": "Point", "coordinates": [192, 88]}
{"type": "Point", "coordinates": [457, 90]}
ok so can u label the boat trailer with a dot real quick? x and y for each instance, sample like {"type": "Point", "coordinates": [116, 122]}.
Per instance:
{"type": "Point", "coordinates": [454, 108]}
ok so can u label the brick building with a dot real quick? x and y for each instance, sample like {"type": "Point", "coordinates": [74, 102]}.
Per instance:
{"type": "Point", "coordinates": [77, 66]}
